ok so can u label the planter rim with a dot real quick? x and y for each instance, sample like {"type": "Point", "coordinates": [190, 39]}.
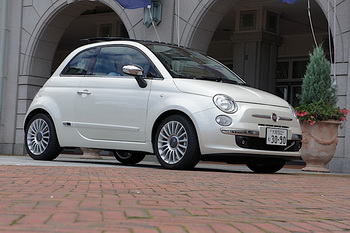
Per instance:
{"type": "Point", "coordinates": [326, 121]}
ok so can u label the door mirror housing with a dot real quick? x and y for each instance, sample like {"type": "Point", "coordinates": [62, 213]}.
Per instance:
{"type": "Point", "coordinates": [137, 72]}
{"type": "Point", "coordinates": [134, 70]}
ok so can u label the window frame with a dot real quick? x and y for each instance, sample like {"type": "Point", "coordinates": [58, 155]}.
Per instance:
{"type": "Point", "coordinates": [93, 61]}
{"type": "Point", "coordinates": [89, 65]}
{"type": "Point", "coordinates": [92, 66]}
{"type": "Point", "coordinates": [290, 81]}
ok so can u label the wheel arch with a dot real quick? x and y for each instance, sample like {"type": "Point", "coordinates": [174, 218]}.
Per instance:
{"type": "Point", "coordinates": [42, 144]}
{"type": "Point", "coordinates": [35, 112]}
{"type": "Point", "coordinates": [165, 115]}
{"type": "Point", "coordinates": [40, 111]}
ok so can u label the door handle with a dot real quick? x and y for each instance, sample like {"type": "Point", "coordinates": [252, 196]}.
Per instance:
{"type": "Point", "coordinates": [84, 92]}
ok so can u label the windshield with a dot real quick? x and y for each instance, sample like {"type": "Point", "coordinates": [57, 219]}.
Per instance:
{"type": "Point", "coordinates": [185, 63]}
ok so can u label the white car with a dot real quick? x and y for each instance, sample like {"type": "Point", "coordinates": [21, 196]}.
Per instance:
{"type": "Point", "coordinates": [136, 98]}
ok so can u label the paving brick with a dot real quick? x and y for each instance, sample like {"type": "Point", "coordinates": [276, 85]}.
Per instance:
{"type": "Point", "coordinates": [198, 212]}
{"type": "Point", "coordinates": [291, 227]}
{"type": "Point", "coordinates": [148, 199]}
{"type": "Point", "coordinates": [223, 228]}
{"type": "Point", "coordinates": [247, 227]}
{"type": "Point", "coordinates": [34, 218]}
{"type": "Point", "coordinates": [172, 229]}
{"type": "Point", "coordinates": [159, 213]}
{"type": "Point", "coordinates": [137, 213]}
{"type": "Point", "coordinates": [9, 219]}
{"type": "Point", "coordinates": [337, 224]}
{"type": "Point", "coordinates": [63, 218]}
{"type": "Point", "coordinates": [89, 216]}
{"type": "Point", "coordinates": [328, 227]}
{"type": "Point", "coordinates": [200, 229]}
{"type": "Point", "coordinates": [306, 226]}
{"type": "Point", "coordinates": [270, 227]}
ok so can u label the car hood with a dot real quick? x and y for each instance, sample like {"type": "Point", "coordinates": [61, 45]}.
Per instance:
{"type": "Point", "coordinates": [237, 92]}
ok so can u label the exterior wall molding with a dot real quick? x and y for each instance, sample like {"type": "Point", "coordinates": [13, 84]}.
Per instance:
{"type": "Point", "coordinates": [201, 24]}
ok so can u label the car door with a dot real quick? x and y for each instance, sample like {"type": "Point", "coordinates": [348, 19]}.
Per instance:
{"type": "Point", "coordinates": [111, 105]}
{"type": "Point", "coordinates": [63, 87]}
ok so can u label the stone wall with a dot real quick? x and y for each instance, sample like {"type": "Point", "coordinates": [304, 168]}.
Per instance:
{"type": "Point", "coordinates": [36, 26]}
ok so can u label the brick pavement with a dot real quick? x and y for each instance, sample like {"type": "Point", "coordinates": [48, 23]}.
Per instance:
{"type": "Point", "coordinates": [122, 199]}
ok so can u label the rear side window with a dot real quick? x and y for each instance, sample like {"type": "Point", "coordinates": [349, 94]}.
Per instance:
{"type": "Point", "coordinates": [80, 63]}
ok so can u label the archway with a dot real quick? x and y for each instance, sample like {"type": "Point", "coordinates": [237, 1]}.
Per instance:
{"type": "Point", "coordinates": [268, 42]}
{"type": "Point", "coordinates": [293, 52]}
{"type": "Point", "coordinates": [100, 21]}
{"type": "Point", "coordinates": [42, 48]}
{"type": "Point", "coordinates": [45, 44]}
{"type": "Point", "coordinates": [203, 22]}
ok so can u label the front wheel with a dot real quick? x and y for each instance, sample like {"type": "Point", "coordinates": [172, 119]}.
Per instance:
{"type": "Point", "coordinates": [129, 158]}
{"type": "Point", "coordinates": [176, 144]}
{"type": "Point", "coordinates": [40, 138]}
{"type": "Point", "coordinates": [266, 167]}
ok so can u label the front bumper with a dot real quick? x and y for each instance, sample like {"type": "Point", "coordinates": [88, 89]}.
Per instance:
{"type": "Point", "coordinates": [246, 136]}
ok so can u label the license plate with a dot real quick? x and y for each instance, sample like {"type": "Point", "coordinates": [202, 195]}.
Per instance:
{"type": "Point", "coordinates": [277, 137]}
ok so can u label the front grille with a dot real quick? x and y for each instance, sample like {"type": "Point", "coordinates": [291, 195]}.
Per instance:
{"type": "Point", "coordinates": [260, 144]}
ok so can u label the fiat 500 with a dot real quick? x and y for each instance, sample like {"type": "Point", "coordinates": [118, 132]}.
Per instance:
{"type": "Point", "coordinates": [135, 98]}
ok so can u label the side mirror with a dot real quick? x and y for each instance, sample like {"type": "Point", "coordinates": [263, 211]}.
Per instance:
{"type": "Point", "coordinates": [137, 72]}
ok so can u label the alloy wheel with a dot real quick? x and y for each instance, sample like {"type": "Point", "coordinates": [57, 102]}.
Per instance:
{"type": "Point", "coordinates": [172, 142]}
{"type": "Point", "coordinates": [38, 136]}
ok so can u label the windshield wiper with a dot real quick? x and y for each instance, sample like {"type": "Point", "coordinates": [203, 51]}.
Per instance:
{"type": "Point", "coordinates": [210, 78]}
{"type": "Point", "coordinates": [222, 80]}
{"type": "Point", "coordinates": [183, 76]}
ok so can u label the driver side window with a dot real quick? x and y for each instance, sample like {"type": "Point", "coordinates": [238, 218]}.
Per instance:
{"type": "Point", "coordinates": [110, 62]}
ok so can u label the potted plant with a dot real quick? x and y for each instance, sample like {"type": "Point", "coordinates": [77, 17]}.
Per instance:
{"type": "Point", "coordinates": [318, 114]}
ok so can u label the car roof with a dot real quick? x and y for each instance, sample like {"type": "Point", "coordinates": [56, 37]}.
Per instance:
{"type": "Point", "coordinates": [105, 39]}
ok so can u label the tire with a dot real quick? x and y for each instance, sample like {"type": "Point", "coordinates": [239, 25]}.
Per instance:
{"type": "Point", "coordinates": [176, 144]}
{"type": "Point", "coordinates": [129, 158]}
{"type": "Point", "coordinates": [41, 139]}
{"type": "Point", "coordinates": [266, 167]}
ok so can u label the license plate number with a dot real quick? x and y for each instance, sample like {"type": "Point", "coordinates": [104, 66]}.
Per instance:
{"type": "Point", "coordinates": [277, 137]}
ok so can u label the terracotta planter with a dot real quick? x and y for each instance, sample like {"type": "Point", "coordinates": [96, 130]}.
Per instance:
{"type": "Point", "coordinates": [319, 144]}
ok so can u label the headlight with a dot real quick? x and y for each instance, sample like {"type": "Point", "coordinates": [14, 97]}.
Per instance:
{"type": "Point", "coordinates": [225, 103]}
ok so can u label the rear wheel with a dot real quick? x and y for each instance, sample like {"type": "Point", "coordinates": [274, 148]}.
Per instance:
{"type": "Point", "coordinates": [129, 158]}
{"type": "Point", "coordinates": [40, 138]}
{"type": "Point", "coordinates": [176, 144]}
{"type": "Point", "coordinates": [266, 167]}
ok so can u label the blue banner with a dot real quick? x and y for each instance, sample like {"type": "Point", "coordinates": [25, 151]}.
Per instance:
{"type": "Point", "coordinates": [133, 4]}
{"type": "Point", "coordinates": [289, 1]}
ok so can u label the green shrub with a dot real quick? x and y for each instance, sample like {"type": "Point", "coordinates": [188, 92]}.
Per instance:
{"type": "Point", "coordinates": [318, 94]}
{"type": "Point", "coordinates": [317, 83]}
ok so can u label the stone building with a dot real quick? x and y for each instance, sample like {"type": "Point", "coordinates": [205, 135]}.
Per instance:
{"type": "Point", "coordinates": [267, 42]}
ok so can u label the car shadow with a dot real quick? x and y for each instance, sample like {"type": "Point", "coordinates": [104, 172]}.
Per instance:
{"type": "Point", "coordinates": [201, 167]}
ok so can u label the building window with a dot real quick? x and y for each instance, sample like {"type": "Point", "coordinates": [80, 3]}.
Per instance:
{"type": "Point", "coordinates": [105, 30]}
{"type": "Point", "coordinates": [299, 68]}
{"type": "Point", "coordinates": [248, 20]}
{"type": "Point", "coordinates": [271, 21]}
{"type": "Point", "coordinates": [112, 29]}
{"type": "Point", "coordinates": [289, 78]}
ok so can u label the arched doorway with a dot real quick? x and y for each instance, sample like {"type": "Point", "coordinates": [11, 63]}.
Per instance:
{"type": "Point", "coordinates": [331, 29]}
{"type": "Point", "coordinates": [59, 30]}
{"type": "Point", "coordinates": [49, 32]}
{"type": "Point", "coordinates": [268, 42]}
{"type": "Point", "coordinates": [99, 21]}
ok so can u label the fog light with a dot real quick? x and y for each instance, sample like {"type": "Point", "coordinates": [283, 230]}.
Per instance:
{"type": "Point", "coordinates": [223, 120]}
